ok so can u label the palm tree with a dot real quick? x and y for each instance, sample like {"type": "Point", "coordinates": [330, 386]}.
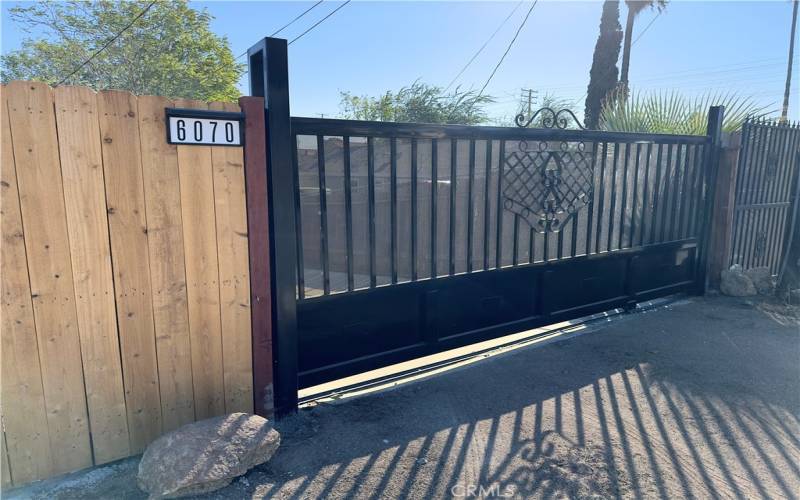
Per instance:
{"type": "Point", "coordinates": [603, 75]}
{"type": "Point", "coordinates": [635, 7]}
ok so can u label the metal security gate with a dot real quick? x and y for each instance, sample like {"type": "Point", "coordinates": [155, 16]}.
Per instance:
{"type": "Point", "coordinates": [418, 238]}
{"type": "Point", "coordinates": [766, 194]}
{"type": "Point", "coordinates": [391, 241]}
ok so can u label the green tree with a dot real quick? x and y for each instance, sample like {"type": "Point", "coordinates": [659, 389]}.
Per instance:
{"type": "Point", "coordinates": [635, 7]}
{"type": "Point", "coordinates": [603, 75]}
{"type": "Point", "coordinates": [417, 103]}
{"type": "Point", "coordinates": [169, 51]}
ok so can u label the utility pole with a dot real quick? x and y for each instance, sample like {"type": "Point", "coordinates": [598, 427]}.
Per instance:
{"type": "Point", "coordinates": [531, 96]}
{"type": "Point", "coordinates": [785, 111]}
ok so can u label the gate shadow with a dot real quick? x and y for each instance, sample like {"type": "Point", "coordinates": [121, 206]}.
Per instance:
{"type": "Point", "coordinates": [699, 400]}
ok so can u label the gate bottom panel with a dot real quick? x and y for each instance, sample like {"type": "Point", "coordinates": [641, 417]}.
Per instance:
{"type": "Point", "coordinates": [349, 333]}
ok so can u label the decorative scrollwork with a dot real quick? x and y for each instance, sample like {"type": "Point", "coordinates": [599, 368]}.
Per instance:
{"type": "Point", "coordinates": [547, 186]}
{"type": "Point", "coordinates": [550, 118]}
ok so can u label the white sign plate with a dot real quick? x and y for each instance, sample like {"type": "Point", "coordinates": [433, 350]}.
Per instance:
{"type": "Point", "coordinates": [208, 131]}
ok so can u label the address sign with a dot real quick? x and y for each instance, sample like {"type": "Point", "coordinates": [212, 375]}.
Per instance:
{"type": "Point", "coordinates": [204, 127]}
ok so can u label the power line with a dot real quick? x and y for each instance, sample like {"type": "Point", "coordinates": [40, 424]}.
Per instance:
{"type": "Point", "coordinates": [286, 25]}
{"type": "Point", "coordinates": [319, 22]}
{"type": "Point", "coordinates": [696, 77]}
{"type": "Point", "coordinates": [296, 18]}
{"type": "Point", "coordinates": [483, 46]}
{"type": "Point", "coordinates": [646, 28]}
{"type": "Point", "coordinates": [109, 42]}
{"type": "Point", "coordinates": [508, 49]}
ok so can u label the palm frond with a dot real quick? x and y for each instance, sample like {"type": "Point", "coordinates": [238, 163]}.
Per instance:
{"type": "Point", "coordinates": [669, 112]}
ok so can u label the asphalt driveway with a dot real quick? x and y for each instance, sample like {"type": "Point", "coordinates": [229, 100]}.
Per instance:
{"type": "Point", "coordinates": [699, 399]}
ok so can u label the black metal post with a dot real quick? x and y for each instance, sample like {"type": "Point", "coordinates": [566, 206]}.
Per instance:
{"type": "Point", "coordinates": [269, 78]}
{"type": "Point", "coordinates": [714, 132]}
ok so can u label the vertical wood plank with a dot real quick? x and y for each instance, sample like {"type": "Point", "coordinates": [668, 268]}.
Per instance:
{"type": "Point", "coordinates": [234, 279]}
{"type": "Point", "coordinates": [24, 412]}
{"type": "Point", "coordinates": [165, 243]}
{"type": "Point", "coordinates": [202, 274]}
{"type": "Point", "coordinates": [255, 171]}
{"type": "Point", "coordinates": [35, 148]}
{"type": "Point", "coordinates": [119, 130]}
{"type": "Point", "coordinates": [87, 222]}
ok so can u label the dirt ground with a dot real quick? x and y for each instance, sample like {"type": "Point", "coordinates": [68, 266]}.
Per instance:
{"type": "Point", "coordinates": [698, 399]}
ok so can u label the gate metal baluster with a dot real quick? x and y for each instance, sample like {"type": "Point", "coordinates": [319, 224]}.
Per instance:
{"type": "Point", "coordinates": [624, 196]}
{"type": "Point", "coordinates": [679, 235]}
{"type": "Point", "coordinates": [500, 167]}
{"type": "Point", "coordinates": [759, 193]}
{"type": "Point", "coordinates": [743, 164]}
{"type": "Point", "coordinates": [656, 191]}
{"type": "Point", "coordinates": [434, 199]}
{"type": "Point", "coordinates": [645, 192]}
{"type": "Point", "coordinates": [784, 188]}
{"type": "Point", "coordinates": [393, 209]}
{"type": "Point", "coordinates": [323, 216]}
{"type": "Point", "coordinates": [546, 252]}
{"type": "Point", "coordinates": [531, 242]}
{"type": "Point", "coordinates": [698, 195]}
{"type": "Point", "coordinates": [559, 242]}
{"type": "Point", "coordinates": [778, 211]}
{"type": "Point", "coordinates": [486, 215]}
{"type": "Point", "coordinates": [632, 232]}
{"type": "Point", "coordinates": [690, 219]}
{"type": "Point", "coordinates": [573, 243]}
{"type": "Point", "coordinates": [373, 279]}
{"type": "Point", "coordinates": [470, 208]}
{"type": "Point", "coordinates": [600, 201]}
{"type": "Point", "coordinates": [414, 274]}
{"type": "Point", "coordinates": [772, 212]}
{"type": "Point", "coordinates": [298, 216]}
{"type": "Point", "coordinates": [591, 207]}
{"type": "Point", "coordinates": [452, 225]}
{"type": "Point", "coordinates": [741, 195]}
{"type": "Point", "coordinates": [676, 198]}
{"type": "Point", "coordinates": [751, 195]}
{"type": "Point", "coordinates": [790, 191]}
{"type": "Point", "coordinates": [667, 196]}
{"type": "Point", "coordinates": [515, 252]}
{"type": "Point", "coordinates": [348, 211]}
{"type": "Point", "coordinates": [613, 197]}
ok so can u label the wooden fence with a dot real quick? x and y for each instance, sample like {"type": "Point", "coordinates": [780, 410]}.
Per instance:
{"type": "Point", "coordinates": [125, 283]}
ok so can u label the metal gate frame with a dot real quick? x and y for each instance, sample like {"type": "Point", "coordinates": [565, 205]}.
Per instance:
{"type": "Point", "coordinates": [268, 62]}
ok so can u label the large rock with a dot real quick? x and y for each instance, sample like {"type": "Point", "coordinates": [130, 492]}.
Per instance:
{"type": "Point", "coordinates": [762, 279]}
{"type": "Point", "coordinates": [735, 283]}
{"type": "Point", "coordinates": [205, 456]}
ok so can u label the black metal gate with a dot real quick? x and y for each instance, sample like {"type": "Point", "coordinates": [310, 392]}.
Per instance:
{"type": "Point", "coordinates": [409, 239]}
{"type": "Point", "coordinates": [766, 194]}
{"type": "Point", "coordinates": [414, 239]}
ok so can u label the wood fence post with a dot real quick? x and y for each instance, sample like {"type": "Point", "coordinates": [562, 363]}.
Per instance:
{"type": "Point", "coordinates": [255, 171]}
{"type": "Point", "coordinates": [722, 218]}
{"type": "Point", "coordinates": [269, 78]}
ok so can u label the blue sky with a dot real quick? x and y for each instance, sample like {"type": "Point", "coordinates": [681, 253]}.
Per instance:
{"type": "Point", "coordinates": [370, 47]}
